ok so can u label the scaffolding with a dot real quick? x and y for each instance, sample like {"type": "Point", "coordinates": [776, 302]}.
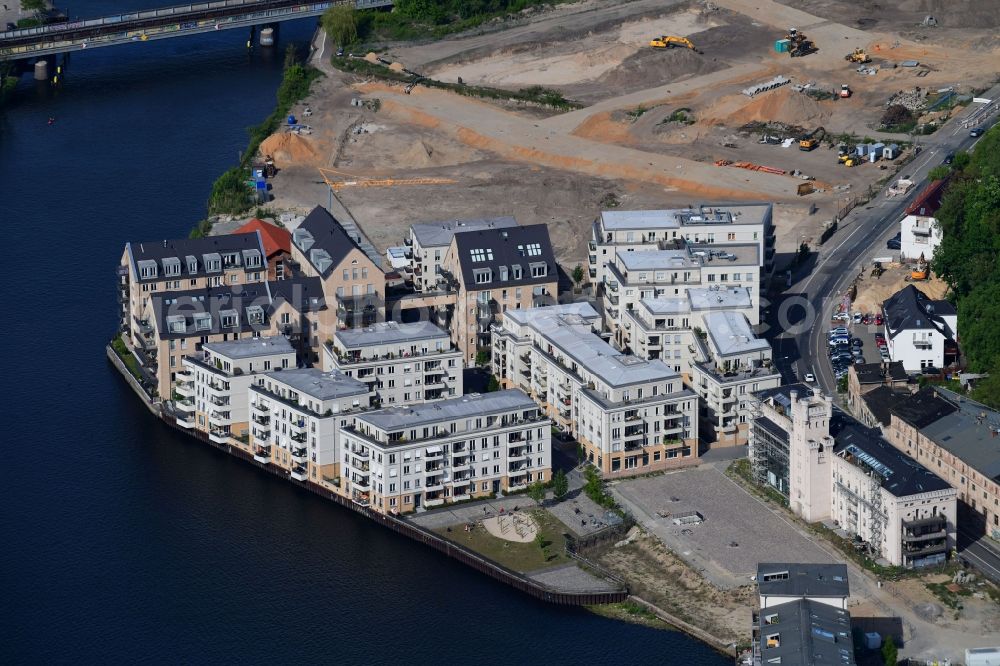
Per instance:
{"type": "Point", "coordinates": [875, 542]}
{"type": "Point", "coordinates": [758, 458]}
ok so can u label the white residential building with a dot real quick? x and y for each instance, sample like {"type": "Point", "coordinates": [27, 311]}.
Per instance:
{"type": "Point", "coordinates": [404, 363]}
{"type": "Point", "coordinates": [429, 242]}
{"type": "Point", "coordinates": [402, 459]}
{"type": "Point", "coordinates": [919, 231]}
{"type": "Point", "coordinates": [920, 332]}
{"type": "Point", "coordinates": [643, 230]}
{"type": "Point", "coordinates": [210, 393]}
{"type": "Point", "coordinates": [297, 417]}
{"type": "Point", "coordinates": [631, 415]}
{"type": "Point", "coordinates": [841, 471]}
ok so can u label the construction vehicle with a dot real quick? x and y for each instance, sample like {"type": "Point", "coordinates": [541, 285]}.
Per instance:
{"type": "Point", "coordinates": [858, 56]}
{"type": "Point", "coordinates": [811, 140]}
{"type": "Point", "coordinates": [670, 41]}
{"type": "Point", "coordinates": [845, 91]}
{"type": "Point", "coordinates": [848, 160]}
{"type": "Point", "coordinates": [798, 44]}
{"type": "Point", "coordinates": [920, 272]}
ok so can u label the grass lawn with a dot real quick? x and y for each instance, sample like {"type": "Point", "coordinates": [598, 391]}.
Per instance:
{"type": "Point", "coordinates": [517, 556]}
{"type": "Point", "coordinates": [127, 358]}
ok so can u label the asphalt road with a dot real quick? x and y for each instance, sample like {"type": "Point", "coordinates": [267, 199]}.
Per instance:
{"type": "Point", "coordinates": [820, 283]}
{"type": "Point", "coordinates": [981, 555]}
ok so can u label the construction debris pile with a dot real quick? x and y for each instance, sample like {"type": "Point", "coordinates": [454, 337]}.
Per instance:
{"type": "Point", "coordinates": [776, 82]}
{"type": "Point", "coordinates": [912, 100]}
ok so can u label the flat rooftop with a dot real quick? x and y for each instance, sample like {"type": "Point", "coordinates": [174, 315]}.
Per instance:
{"type": "Point", "coordinates": [389, 332]}
{"type": "Point", "coordinates": [721, 298]}
{"type": "Point", "coordinates": [971, 434]}
{"type": "Point", "coordinates": [731, 334]}
{"type": "Point", "coordinates": [806, 633]}
{"type": "Point", "coordinates": [658, 260]}
{"type": "Point", "coordinates": [675, 218]}
{"type": "Point", "coordinates": [320, 385]}
{"type": "Point", "coordinates": [666, 306]}
{"type": "Point", "coordinates": [251, 347]}
{"type": "Point", "coordinates": [434, 234]}
{"type": "Point", "coordinates": [585, 311]}
{"type": "Point", "coordinates": [712, 255]}
{"type": "Point", "coordinates": [474, 404]}
{"type": "Point", "coordinates": [783, 579]}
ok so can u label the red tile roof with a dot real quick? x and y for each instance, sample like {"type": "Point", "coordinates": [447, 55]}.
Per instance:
{"type": "Point", "coordinates": [275, 238]}
{"type": "Point", "coordinates": [928, 202]}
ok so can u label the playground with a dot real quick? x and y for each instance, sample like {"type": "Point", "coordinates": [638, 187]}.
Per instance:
{"type": "Point", "coordinates": [524, 540]}
{"type": "Point", "coordinates": [517, 527]}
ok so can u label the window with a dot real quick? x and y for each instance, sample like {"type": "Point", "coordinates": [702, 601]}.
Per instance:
{"type": "Point", "coordinates": [480, 254]}
{"type": "Point", "coordinates": [483, 275]}
{"type": "Point", "coordinates": [539, 270]}
{"type": "Point", "coordinates": [503, 273]}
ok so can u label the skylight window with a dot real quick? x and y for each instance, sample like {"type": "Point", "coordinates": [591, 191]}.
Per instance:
{"type": "Point", "coordinates": [480, 254]}
{"type": "Point", "coordinates": [530, 250]}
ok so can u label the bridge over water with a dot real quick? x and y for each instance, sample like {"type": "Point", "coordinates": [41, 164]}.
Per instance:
{"type": "Point", "coordinates": [160, 24]}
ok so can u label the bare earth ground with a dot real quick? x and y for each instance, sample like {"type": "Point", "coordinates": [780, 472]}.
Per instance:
{"type": "Point", "coordinates": [560, 168]}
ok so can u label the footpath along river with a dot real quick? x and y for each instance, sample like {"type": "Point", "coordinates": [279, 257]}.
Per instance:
{"type": "Point", "coordinates": [124, 541]}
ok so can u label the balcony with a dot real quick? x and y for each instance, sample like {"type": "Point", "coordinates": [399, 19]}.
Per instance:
{"type": "Point", "coordinates": [436, 501]}
{"type": "Point", "coordinates": [361, 482]}
{"type": "Point", "coordinates": [300, 456]}
{"type": "Point", "coordinates": [219, 436]}
{"type": "Point", "coordinates": [434, 483]}
{"type": "Point", "coordinates": [185, 389]}
{"type": "Point", "coordinates": [185, 420]}
{"type": "Point", "coordinates": [925, 529]}
{"type": "Point", "coordinates": [261, 420]}
{"type": "Point", "coordinates": [220, 419]}
{"type": "Point", "coordinates": [360, 498]}
{"type": "Point", "coordinates": [435, 452]}
{"type": "Point", "coordinates": [260, 407]}
{"type": "Point", "coordinates": [262, 454]}
{"type": "Point", "coordinates": [299, 474]}
{"type": "Point", "coordinates": [360, 454]}
{"type": "Point", "coordinates": [219, 401]}
{"type": "Point", "coordinates": [185, 405]}
{"type": "Point", "coordinates": [262, 434]}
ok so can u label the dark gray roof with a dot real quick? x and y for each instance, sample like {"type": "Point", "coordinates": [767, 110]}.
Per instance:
{"type": "Point", "coordinates": [901, 475]}
{"type": "Point", "coordinates": [782, 395]}
{"type": "Point", "coordinates": [869, 373]}
{"type": "Point", "coordinates": [305, 294]}
{"type": "Point", "coordinates": [909, 309]}
{"type": "Point", "coordinates": [186, 249]}
{"type": "Point", "coordinates": [770, 426]}
{"type": "Point", "coordinates": [972, 434]}
{"type": "Point", "coordinates": [202, 310]}
{"type": "Point", "coordinates": [433, 234]}
{"type": "Point", "coordinates": [784, 579]}
{"type": "Point", "coordinates": [806, 633]}
{"type": "Point", "coordinates": [923, 408]}
{"type": "Point", "coordinates": [320, 385]}
{"type": "Point", "coordinates": [881, 400]}
{"type": "Point", "coordinates": [330, 243]}
{"type": "Point", "coordinates": [506, 247]}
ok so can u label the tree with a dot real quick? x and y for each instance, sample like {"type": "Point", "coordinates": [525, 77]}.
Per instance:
{"type": "Point", "coordinates": [536, 491]}
{"type": "Point", "coordinates": [578, 274]}
{"type": "Point", "coordinates": [940, 172]}
{"type": "Point", "coordinates": [493, 384]}
{"type": "Point", "coordinates": [560, 484]}
{"type": "Point", "coordinates": [889, 651]}
{"type": "Point", "coordinates": [35, 6]}
{"type": "Point", "coordinates": [483, 357]}
{"type": "Point", "coordinates": [898, 117]}
{"type": "Point", "coordinates": [341, 24]}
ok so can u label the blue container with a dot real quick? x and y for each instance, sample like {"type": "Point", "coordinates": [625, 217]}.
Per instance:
{"type": "Point", "coordinates": [292, 121]}
{"type": "Point", "coordinates": [782, 45]}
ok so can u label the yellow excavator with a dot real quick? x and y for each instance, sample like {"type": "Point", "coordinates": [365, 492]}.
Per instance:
{"type": "Point", "coordinates": [858, 56]}
{"type": "Point", "coordinates": [920, 272]}
{"type": "Point", "coordinates": [811, 140]}
{"type": "Point", "coordinates": [670, 41]}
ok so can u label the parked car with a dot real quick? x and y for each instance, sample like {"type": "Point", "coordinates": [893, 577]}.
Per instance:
{"type": "Point", "coordinates": [839, 331]}
{"type": "Point", "coordinates": [949, 158]}
{"type": "Point", "coordinates": [895, 243]}
{"type": "Point", "coordinates": [858, 317]}
{"type": "Point", "coordinates": [879, 320]}
{"type": "Point", "coordinates": [810, 377]}
{"type": "Point", "coordinates": [976, 131]}
{"type": "Point", "coordinates": [842, 316]}
{"type": "Point", "coordinates": [856, 342]}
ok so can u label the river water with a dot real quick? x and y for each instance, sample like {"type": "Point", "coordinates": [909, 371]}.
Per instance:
{"type": "Point", "coordinates": [124, 541]}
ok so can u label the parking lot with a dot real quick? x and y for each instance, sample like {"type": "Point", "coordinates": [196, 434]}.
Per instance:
{"type": "Point", "coordinates": [863, 332]}
{"type": "Point", "coordinates": [737, 531]}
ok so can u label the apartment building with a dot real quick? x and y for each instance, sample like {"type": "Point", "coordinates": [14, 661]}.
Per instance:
{"type": "Point", "coordinates": [493, 271]}
{"type": "Point", "coordinates": [839, 470]}
{"type": "Point", "coordinates": [631, 415]}
{"type": "Point", "coordinates": [347, 265]}
{"type": "Point", "coordinates": [429, 242]}
{"type": "Point", "coordinates": [731, 364]}
{"type": "Point", "coordinates": [297, 418]}
{"type": "Point", "coordinates": [671, 274]}
{"type": "Point", "coordinates": [211, 392]}
{"type": "Point", "coordinates": [403, 362]}
{"type": "Point", "coordinates": [779, 583]}
{"type": "Point", "coordinates": [805, 633]}
{"type": "Point", "coordinates": [920, 332]}
{"type": "Point", "coordinates": [960, 440]}
{"type": "Point", "coordinates": [616, 232]}
{"type": "Point", "coordinates": [866, 378]}
{"type": "Point", "coordinates": [277, 247]}
{"type": "Point", "coordinates": [149, 269]}
{"type": "Point", "coordinates": [402, 459]}
{"type": "Point", "coordinates": [920, 232]}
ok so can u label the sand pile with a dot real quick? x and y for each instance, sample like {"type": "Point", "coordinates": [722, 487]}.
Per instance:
{"type": "Point", "coordinates": [873, 292]}
{"type": "Point", "coordinates": [783, 105]}
{"type": "Point", "coordinates": [288, 149]}
{"type": "Point", "coordinates": [655, 67]}
{"type": "Point", "coordinates": [397, 67]}
{"type": "Point", "coordinates": [371, 57]}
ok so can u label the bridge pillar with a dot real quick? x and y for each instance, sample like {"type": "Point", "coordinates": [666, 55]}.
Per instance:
{"type": "Point", "coordinates": [42, 70]}
{"type": "Point", "coordinates": [267, 37]}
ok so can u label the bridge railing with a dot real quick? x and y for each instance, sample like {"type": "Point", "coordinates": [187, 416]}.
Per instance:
{"type": "Point", "coordinates": [178, 11]}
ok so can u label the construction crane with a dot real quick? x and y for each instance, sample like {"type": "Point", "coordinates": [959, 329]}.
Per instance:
{"type": "Point", "coordinates": [339, 181]}
{"type": "Point", "coordinates": [669, 41]}
{"type": "Point", "coordinates": [811, 140]}
{"type": "Point", "coordinates": [858, 56]}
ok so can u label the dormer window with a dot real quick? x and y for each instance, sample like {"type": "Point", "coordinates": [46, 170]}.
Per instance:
{"type": "Point", "coordinates": [202, 322]}
{"type": "Point", "coordinates": [251, 259]}
{"type": "Point", "coordinates": [229, 318]}
{"type": "Point", "coordinates": [213, 262]}
{"type": "Point", "coordinates": [147, 269]}
{"type": "Point", "coordinates": [171, 267]}
{"type": "Point", "coordinates": [516, 271]}
{"type": "Point", "coordinates": [231, 259]}
{"type": "Point", "coordinates": [176, 324]}
{"type": "Point", "coordinates": [483, 275]}
{"type": "Point", "coordinates": [255, 314]}
{"type": "Point", "coordinates": [192, 265]}
{"type": "Point", "coordinates": [503, 273]}
{"type": "Point", "coordinates": [539, 270]}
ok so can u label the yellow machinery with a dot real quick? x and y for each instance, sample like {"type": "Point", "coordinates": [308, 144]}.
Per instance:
{"type": "Point", "coordinates": [669, 41]}
{"type": "Point", "coordinates": [339, 182]}
{"type": "Point", "coordinates": [798, 44]}
{"type": "Point", "coordinates": [920, 272]}
{"type": "Point", "coordinates": [848, 160]}
{"type": "Point", "coordinates": [858, 56]}
{"type": "Point", "coordinates": [811, 140]}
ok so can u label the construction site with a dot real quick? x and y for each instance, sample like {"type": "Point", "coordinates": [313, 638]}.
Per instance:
{"type": "Point", "coordinates": [587, 106]}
